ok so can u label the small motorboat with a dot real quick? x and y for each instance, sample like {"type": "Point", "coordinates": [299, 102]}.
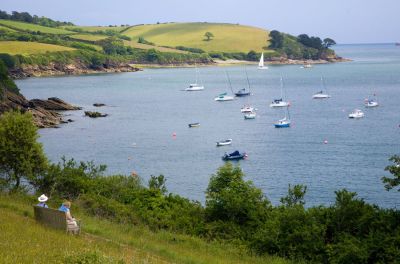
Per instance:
{"type": "Point", "coordinates": [236, 155]}
{"type": "Point", "coordinates": [247, 109]}
{"type": "Point", "coordinates": [284, 122]}
{"type": "Point", "coordinates": [250, 115]}
{"type": "Point", "coordinates": [242, 92]}
{"type": "Point", "coordinates": [224, 142]}
{"type": "Point", "coordinates": [321, 95]}
{"type": "Point", "coordinates": [194, 87]}
{"type": "Point", "coordinates": [357, 113]}
{"type": "Point", "coordinates": [194, 125]}
{"type": "Point", "coordinates": [279, 103]}
{"type": "Point", "coordinates": [306, 66]}
{"type": "Point", "coordinates": [371, 103]}
{"type": "Point", "coordinates": [223, 97]}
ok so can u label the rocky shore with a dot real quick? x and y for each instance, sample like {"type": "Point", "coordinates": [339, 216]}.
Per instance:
{"type": "Point", "coordinates": [45, 112]}
{"type": "Point", "coordinates": [57, 69]}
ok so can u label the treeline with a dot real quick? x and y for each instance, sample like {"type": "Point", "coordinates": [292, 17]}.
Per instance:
{"type": "Point", "coordinates": [26, 17]}
{"type": "Point", "coordinates": [302, 46]}
{"type": "Point", "coordinates": [349, 231]}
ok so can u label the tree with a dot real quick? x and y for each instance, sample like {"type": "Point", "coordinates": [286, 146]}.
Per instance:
{"type": "Point", "coordinates": [295, 195]}
{"type": "Point", "coordinates": [21, 156]}
{"type": "Point", "coordinates": [233, 204]}
{"type": "Point", "coordinates": [394, 169]}
{"type": "Point", "coordinates": [208, 35]}
{"type": "Point", "coordinates": [276, 39]}
{"type": "Point", "coordinates": [328, 42]}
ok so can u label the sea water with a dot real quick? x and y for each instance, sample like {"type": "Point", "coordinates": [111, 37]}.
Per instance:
{"type": "Point", "coordinates": [147, 130]}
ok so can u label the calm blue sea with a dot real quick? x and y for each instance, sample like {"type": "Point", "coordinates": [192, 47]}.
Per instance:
{"type": "Point", "coordinates": [146, 108]}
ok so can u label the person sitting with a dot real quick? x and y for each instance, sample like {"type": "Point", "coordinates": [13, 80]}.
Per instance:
{"type": "Point", "coordinates": [42, 201]}
{"type": "Point", "coordinates": [65, 207]}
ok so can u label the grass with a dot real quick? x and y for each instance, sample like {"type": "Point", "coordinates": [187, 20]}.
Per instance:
{"type": "Point", "coordinates": [33, 27]}
{"type": "Point", "coordinates": [135, 44]}
{"type": "Point", "coordinates": [25, 241]}
{"type": "Point", "coordinates": [6, 28]}
{"type": "Point", "coordinates": [88, 37]}
{"type": "Point", "coordinates": [28, 48]}
{"type": "Point", "coordinates": [94, 28]}
{"type": "Point", "coordinates": [228, 37]}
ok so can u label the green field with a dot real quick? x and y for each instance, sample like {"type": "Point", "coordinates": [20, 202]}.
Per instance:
{"type": "Point", "coordinates": [88, 37]}
{"type": "Point", "coordinates": [6, 28]}
{"type": "Point", "coordinates": [135, 44]}
{"type": "Point", "coordinates": [25, 241]}
{"type": "Point", "coordinates": [228, 37]}
{"type": "Point", "coordinates": [28, 48]}
{"type": "Point", "coordinates": [94, 28]}
{"type": "Point", "coordinates": [32, 27]}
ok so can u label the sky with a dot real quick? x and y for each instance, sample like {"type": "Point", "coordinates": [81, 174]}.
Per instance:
{"type": "Point", "coordinates": [345, 21]}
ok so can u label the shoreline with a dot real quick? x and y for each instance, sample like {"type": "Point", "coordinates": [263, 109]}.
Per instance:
{"type": "Point", "coordinates": [55, 69]}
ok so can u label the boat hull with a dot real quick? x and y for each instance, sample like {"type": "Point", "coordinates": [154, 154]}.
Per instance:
{"type": "Point", "coordinates": [194, 125]}
{"type": "Point", "coordinates": [194, 89]}
{"type": "Point", "coordinates": [224, 143]}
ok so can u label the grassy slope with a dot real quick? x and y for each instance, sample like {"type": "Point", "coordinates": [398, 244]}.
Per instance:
{"type": "Point", "coordinates": [33, 27]}
{"type": "Point", "coordinates": [27, 48]}
{"type": "Point", "coordinates": [228, 37]}
{"type": "Point", "coordinates": [94, 28]}
{"type": "Point", "coordinates": [88, 37]}
{"type": "Point", "coordinates": [6, 28]}
{"type": "Point", "coordinates": [135, 44]}
{"type": "Point", "coordinates": [22, 238]}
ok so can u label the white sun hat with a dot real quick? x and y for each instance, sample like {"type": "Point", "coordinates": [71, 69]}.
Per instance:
{"type": "Point", "coordinates": [43, 198]}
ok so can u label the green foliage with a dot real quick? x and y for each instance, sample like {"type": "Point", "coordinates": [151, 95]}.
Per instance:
{"type": "Point", "coordinates": [10, 61]}
{"type": "Point", "coordinates": [143, 41]}
{"type": "Point", "coordinates": [158, 183]}
{"type": "Point", "coordinates": [295, 196]}
{"type": "Point", "coordinates": [394, 169]}
{"type": "Point", "coordinates": [6, 83]}
{"type": "Point", "coordinates": [276, 40]}
{"type": "Point", "coordinates": [21, 156]}
{"type": "Point", "coordinates": [231, 200]}
{"type": "Point", "coordinates": [208, 35]}
{"type": "Point", "coordinates": [328, 42]}
{"type": "Point", "coordinates": [26, 17]}
{"type": "Point", "coordinates": [194, 50]}
{"type": "Point", "coordinates": [252, 56]}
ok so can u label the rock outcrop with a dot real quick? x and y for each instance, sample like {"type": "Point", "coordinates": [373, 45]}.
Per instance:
{"type": "Point", "coordinates": [45, 112]}
{"type": "Point", "coordinates": [76, 68]}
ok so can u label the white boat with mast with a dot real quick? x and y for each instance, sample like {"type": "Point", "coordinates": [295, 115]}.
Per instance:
{"type": "Point", "coordinates": [284, 122]}
{"type": "Point", "coordinates": [244, 92]}
{"type": "Point", "coordinates": [195, 86]}
{"type": "Point", "coordinates": [280, 102]}
{"type": "Point", "coordinates": [224, 96]}
{"type": "Point", "coordinates": [321, 94]}
{"type": "Point", "coordinates": [261, 63]}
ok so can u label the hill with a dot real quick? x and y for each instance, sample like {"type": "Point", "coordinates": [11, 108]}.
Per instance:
{"type": "Point", "coordinates": [103, 242]}
{"type": "Point", "coordinates": [29, 48]}
{"type": "Point", "coordinates": [227, 37]}
{"type": "Point", "coordinates": [33, 27]}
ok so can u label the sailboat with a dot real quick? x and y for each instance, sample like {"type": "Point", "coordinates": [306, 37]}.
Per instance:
{"type": "Point", "coordinates": [224, 96]}
{"type": "Point", "coordinates": [195, 86]}
{"type": "Point", "coordinates": [321, 94]}
{"type": "Point", "coordinates": [243, 92]}
{"type": "Point", "coordinates": [279, 102]}
{"type": "Point", "coordinates": [261, 63]}
{"type": "Point", "coordinates": [284, 122]}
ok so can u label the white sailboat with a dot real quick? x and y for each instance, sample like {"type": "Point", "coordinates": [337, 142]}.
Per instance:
{"type": "Point", "coordinates": [224, 96]}
{"type": "Point", "coordinates": [195, 86]}
{"type": "Point", "coordinates": [284, 122]}
{"type": "Point", "coordinates": [261, 63]}
{"type": "Point", "coordinates": [279, 102]}
{"type": "Point", "coordinates": [371, 102]}
{"type": "Point", "coordinates": [321, 94]}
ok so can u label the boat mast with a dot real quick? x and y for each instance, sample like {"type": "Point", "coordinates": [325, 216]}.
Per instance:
{"type": "Point", "coordinates": [248, 81]}
{"type": "Point", "coordinates": [229, 81]}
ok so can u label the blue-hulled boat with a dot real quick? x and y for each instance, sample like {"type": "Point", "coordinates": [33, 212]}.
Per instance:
{"type": "Point", "coordinates": [236, 155]}
{"type": "Point", "coordinates": [242, 92]}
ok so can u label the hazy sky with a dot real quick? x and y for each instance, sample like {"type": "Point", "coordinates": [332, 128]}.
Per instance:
{"type": "Point", "coordinates": [346, 21]}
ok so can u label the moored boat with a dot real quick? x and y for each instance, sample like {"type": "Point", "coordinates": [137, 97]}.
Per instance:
{"type": "Point", "coordinates": [194, 125]}
{"type": "Point", "coordinates": [242, 92]}
{"type": "Point", "coordinates": [223, 97]}
{"type": "Point", "coordinates": [236, 155]}
{"type": "Point", "coordinates": [247, 109]}
{"type": "Point", "coordinates": [250, 115]}
{"type": "Point", "coordinates": [321, 94]}
{"type": "Point", "coordinates": [194, 87]}
{"type": "Point", "coordinates": [357, 113]}
{"type": "Point", "coordinates": [284, 122]}
{"type": "Point", "coordinates": [261, 63]}
{"type": "Point", "coordinates": [224, 142]}
{"type": "Point", "coordinates": [371, 103]}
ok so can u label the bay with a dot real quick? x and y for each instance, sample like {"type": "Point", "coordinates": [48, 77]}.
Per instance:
{"type": "Point", "coordinates": [147, 108]}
